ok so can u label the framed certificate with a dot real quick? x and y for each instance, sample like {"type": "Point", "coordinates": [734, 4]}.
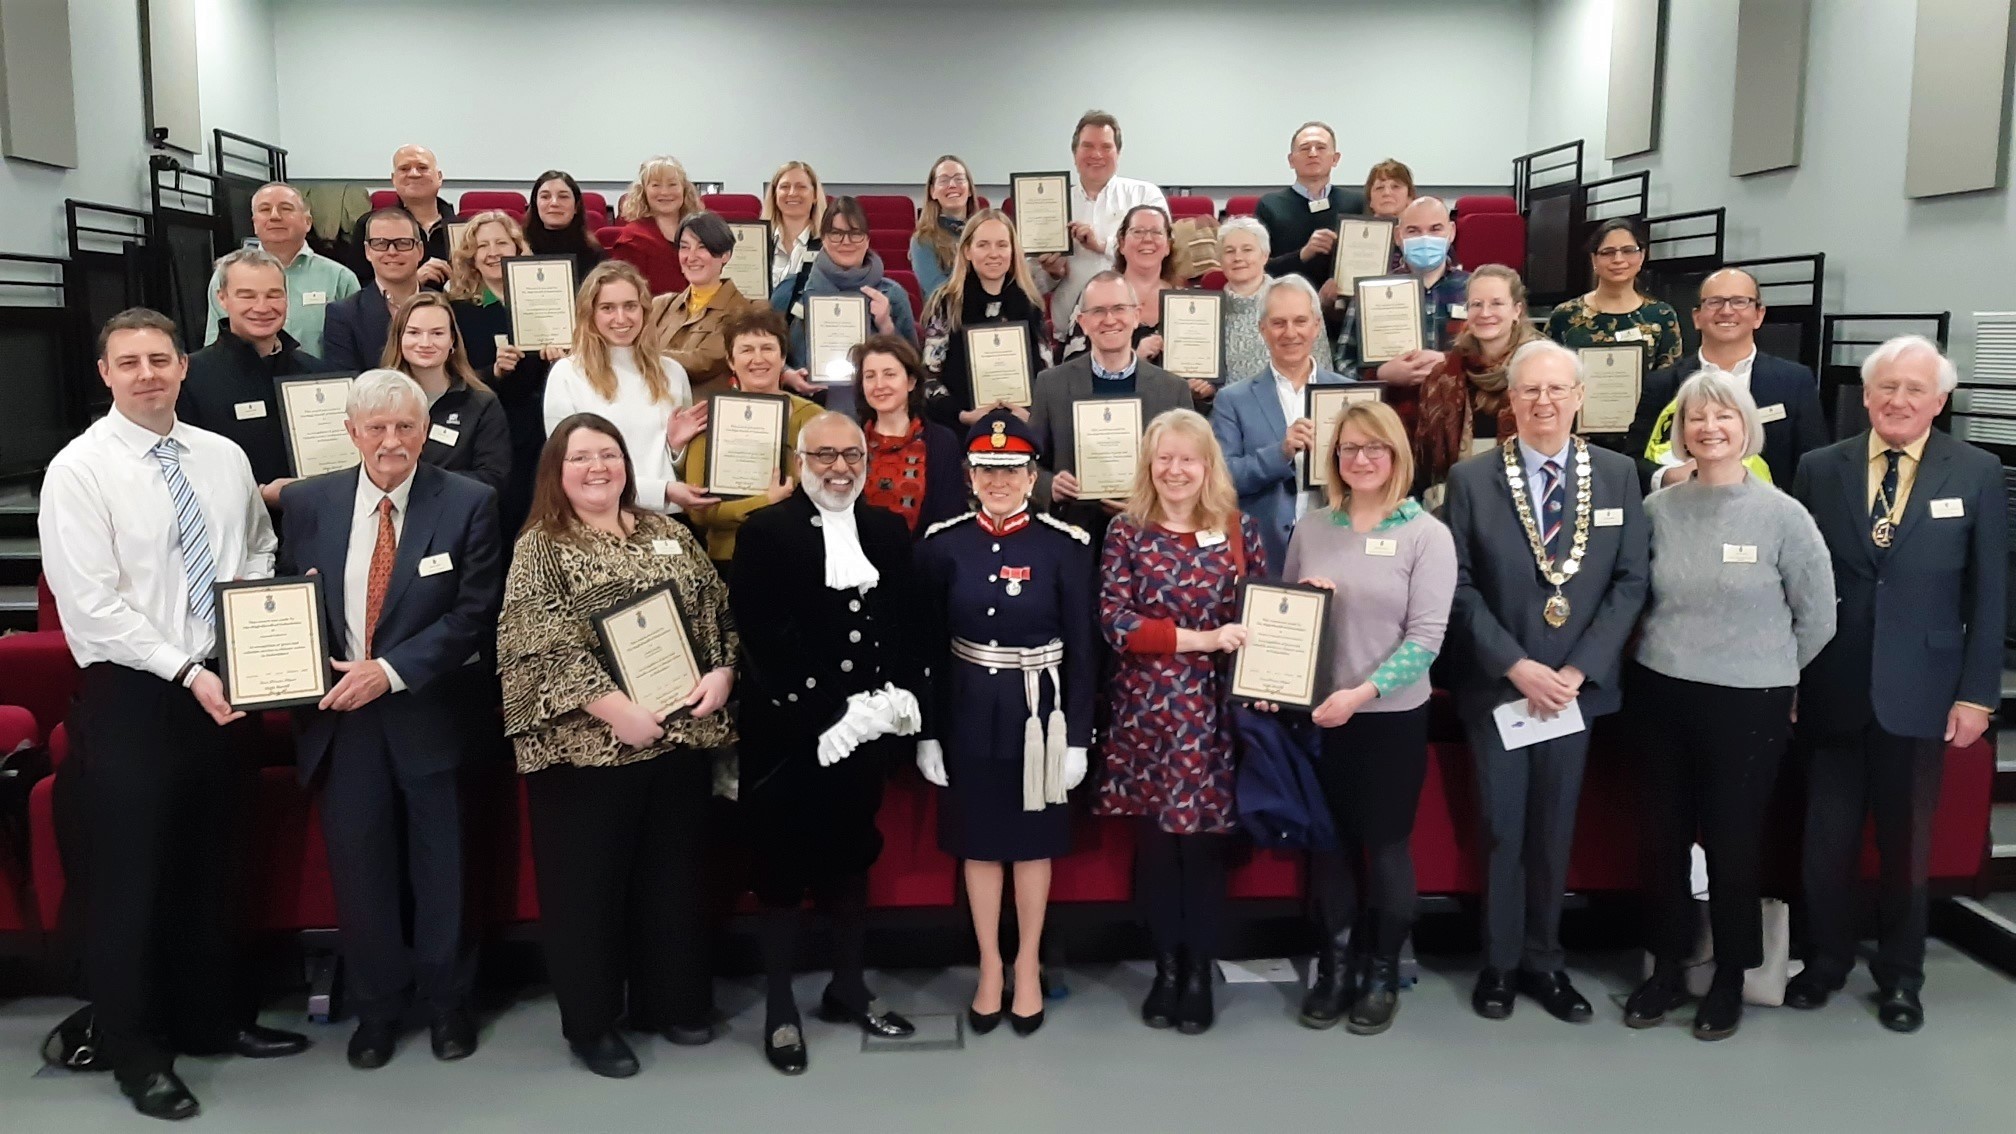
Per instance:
{"type": "Point", "coordinates": [1389, 317]}
{"type": "Point", "coordinates": [1106, 438]}
{"type": "Point", "coordinates": [833, 325]}
{"type": "Point", "coordinates": [1042, 211]}
{"type": "Point", "coordinates": [313, 408]}
{"type": "Point", "coordinates": [1322, 405]}
{"type": "Point", "coordinates": [1286, 658]}
{"type": "Point", "coordinates": [456, 231]}
{"type": "Point", "coordinates": [1613, 374]}
{"type": "Point", "coordinates": [1193, 334]}
{"type": "Point", "coordinates": [997, 364]}
{"type": "Point", "coordinates": [648, 651]}
{"type": "Point", "coordinates": [745, 442]}
{"type": "Point", "coordinates": [539, 290]}
{"type": "Point", "coordinates": [271, 653]}
{"type": "Point", "coordinates": [1364, 248]}
{"type": "Point", "coordinates": [749, 267]}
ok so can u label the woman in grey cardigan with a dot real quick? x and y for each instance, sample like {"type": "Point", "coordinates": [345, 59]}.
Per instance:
{"type": "Point", "coordinates": [1742, 598]}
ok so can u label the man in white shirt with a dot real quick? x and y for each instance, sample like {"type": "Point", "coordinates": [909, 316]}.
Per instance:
{"type": "Point", "coordinates": [280, 219]}
{"type": "Point", "coordinates": [141, 517]}
{"type": "Point", "coordinates": [1098, 202]}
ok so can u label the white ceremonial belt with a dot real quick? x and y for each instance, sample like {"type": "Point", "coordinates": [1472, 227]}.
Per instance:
{"type": "Point", "coordinates": [1025, 658]}
{"type": "Point", "coordinates": [1042, 748]}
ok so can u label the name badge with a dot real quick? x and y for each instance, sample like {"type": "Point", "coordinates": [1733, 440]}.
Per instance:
{"type": "Point", "coordinates": [993, 311]}
{"type": "Point", "coordinates": [1320, 206]}
{"type": "Point", "coordinates": [1609, 517]}
{"type": "Point", "coordinates": [1771, 413]}
{"type": "Point", "coordinates": [1949, 508]}
{"type": "Point", "coordinates": [1210, 539]}
{"type": "Point", "coordinates": [314, 298]}
{"type": "Point", "coordinates": [444, 435]}
{"type": "Point", "coordinates": [666, 547]}
{"type": "Point", "coordinates": [246, 411]}
{"type": "Point", "coordinates": [1739, 553]}
{"type": "Point", "coordinates": [1459, 311]}
{"type": "Point", "coordinates": [435, 564]}
{"type": "Point", "coordinates": [1386, 548]}
{"type": "Point", "coordinates": [1631, 335]}
{"type": "Point", "coordinates": [798, 310]}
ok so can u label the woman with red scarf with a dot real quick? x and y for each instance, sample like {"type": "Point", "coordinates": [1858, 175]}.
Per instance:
{"type": "Point", "coordinates": [1463, 408]}
{"type": "Point", "coordinates": [913, 463]}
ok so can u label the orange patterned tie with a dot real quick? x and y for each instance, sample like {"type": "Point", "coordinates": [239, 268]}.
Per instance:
{"type": "Point", "coordinates": [381, 571]}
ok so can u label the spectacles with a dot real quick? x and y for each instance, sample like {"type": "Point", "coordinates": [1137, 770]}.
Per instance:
{"type": "Point", "coordinates": [826, 458]}
{"type": "Point", "coordinates": [391, 244]}
{"type": "Point", "coordinates": [1103, 312]}
{"type": "Point", "coordinates": [1553, 393]}
{"type": "Point", "coordinates": [1375, 450]}
{"type": "Point", "coordinates": [583, 460]}
{"type": "Point", "coordinates": [845, 236]}
{"type": "Point", "coordinates": [1491, 305]}
{"type": "Point", "coordinates": [1144, 233]}
{"type": "Point", "coordinates": [1622, 251]}
{"type": "Point", "coordinates": [949, 180]}
{"type": "Point", "coordinates": [1729, 303]}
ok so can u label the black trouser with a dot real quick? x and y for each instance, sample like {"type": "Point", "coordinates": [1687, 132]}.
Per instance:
{"type": "Point", "coordinates": [165, 794]}
{"type": "Point", "coordinates": [844, 900]}
{"type": "Point", "coordinates": [1895, 778]}
{"type": "Point", "coordinates": [1526, 801]}
{"type": "Point", "coordinates": [371, 811]}
{"type": "Point", "coordinates": [618, 852]}
{"type": "Point", "coordinates": [1370, 768]}
{"type": "Point", "coordinates": [1709, 759]}
{"type": "Point", "coordinates": [1180, 883]}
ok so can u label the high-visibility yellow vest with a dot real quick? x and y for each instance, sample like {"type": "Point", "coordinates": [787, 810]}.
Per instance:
{"type": "Point", "coordinates": [1660, 444]}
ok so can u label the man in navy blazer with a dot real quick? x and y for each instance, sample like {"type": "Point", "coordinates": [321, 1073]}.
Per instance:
{"type": "Point", "coordinates": [1788, 396]}
{"type": "Point", "coordinates": [1918, 526]}
{"type": "Point", "coordinates": [355, 328]}
{"type": "Point", "coordinates": [1260, 421]}
{"type": "Point", "coordinates": [412, 578]}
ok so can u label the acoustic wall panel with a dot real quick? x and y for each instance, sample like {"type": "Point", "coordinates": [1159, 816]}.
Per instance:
{"type": "Point", "coordinates": [1959, 124]}
{"type": "Point", "coordinates": [1764, 130]}
{"type": "Point", "coordinates": [1637, 62]}
{"type": "Point", "coordinates": [174, 102]}
{"type": "Point", "coordinates": [38, 108]}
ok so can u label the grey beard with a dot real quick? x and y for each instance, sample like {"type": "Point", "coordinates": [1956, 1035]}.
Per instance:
{"type": "Point", "coordinates": [830, 501]}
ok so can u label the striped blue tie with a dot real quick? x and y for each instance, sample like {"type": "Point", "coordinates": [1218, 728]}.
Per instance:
{"type": "Point", "coordinates": [1552, 497]}
{"type": "Point", "coordinates": [199, 570]}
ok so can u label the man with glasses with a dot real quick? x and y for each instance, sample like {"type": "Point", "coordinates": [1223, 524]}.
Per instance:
{"type": "Point", "coordinates": [1301, 220]}
{"type": "Point", "coordinates": [281, 221]}
{"type": "Point", "coordinates": [1553, 559]}
{"type": "Point", "coordinates": [1099, 201]}
{"type": "Point", "coordinates": [1108, 315]}
{"type": "Point", "coordinates": [353, 336]}
{"type": "Point", "coordinates": [1788, 396]}
{"type": "Point", "coordinates": [1425, 236]}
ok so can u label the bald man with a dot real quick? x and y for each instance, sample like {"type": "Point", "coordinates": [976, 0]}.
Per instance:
{"type": "Point", "coordinates": [280, 220]}
{"type": "Point", "coordinates": [416, 178]}
{"type": "Point", "coordinates": [1426, 237]}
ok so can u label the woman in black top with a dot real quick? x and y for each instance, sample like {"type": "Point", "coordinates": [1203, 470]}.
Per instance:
{"type": "Point", "coordinates": [518, 378]}
{"type": "Point", "coordinates": [990, 284]}
{"type": "Point", "coordinates": [466, 432]}
{"type": "Point", "coordinates": [557, 225]}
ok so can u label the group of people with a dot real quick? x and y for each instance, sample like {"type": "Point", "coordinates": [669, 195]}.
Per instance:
{"type": "Point", "coordinates": [930, 580]}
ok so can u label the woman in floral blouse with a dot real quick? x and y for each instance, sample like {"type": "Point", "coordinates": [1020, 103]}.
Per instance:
{"type": "Point", "coordinates": [1618, 311]}
{"type": "Point", "coordinates": [617, 791]}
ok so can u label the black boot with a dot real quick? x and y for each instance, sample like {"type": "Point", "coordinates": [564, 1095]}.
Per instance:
{"type": "Point", "coordinates": [1338, 967]}
{"type": "Point", "coordinates": [1194, 1011]}
{"type": "Point", "coordinates": [1159, 1010]}
{"type": "Point", "coordinates": [1372, 1012]}
{"type": "Point", "coordinates": [1663, 991]}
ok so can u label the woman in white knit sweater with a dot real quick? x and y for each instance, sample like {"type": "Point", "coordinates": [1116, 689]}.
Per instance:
{"type": "Point", "coordinates": [618, 370]}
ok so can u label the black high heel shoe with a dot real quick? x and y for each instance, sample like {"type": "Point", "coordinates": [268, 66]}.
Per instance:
{"type": "Point", "coordinates": [1026, 1025]}
{"type": "Point", "coordinates": [980, 1023]}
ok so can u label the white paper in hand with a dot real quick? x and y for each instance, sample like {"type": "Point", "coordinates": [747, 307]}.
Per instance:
{"type": "Point", "coordinates": [1519, 728]}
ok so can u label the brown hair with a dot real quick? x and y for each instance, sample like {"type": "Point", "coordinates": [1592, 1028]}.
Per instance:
{"type": "Point", "coordinates": [394, 356]}
{"type": "Point", "coordinates": [776, 218]}
{"type": "Point", "coordinates": [552, 513]}
{"type": "Point", "coordinates": [1217, 503]}
{"type": "Point", "coordinates": [1380, 421]}
{"type": "Point", "coordinates": [755, 321]}
{"type": "Point", "coordinates": [899, 348]}
{"type": "Point", "coordinates": [139, 319]}
{"type": "Point", "coordinates": [1389, 170]}
{"type": "Point", "coordinates": [390, 212]}
{"type": "Point", "coordinates": [1096, 118]}
{"type": "Point", "coordinates": [464, 280]}
{"type": "Point", "coordinates": [928, 229]}
{"type": "Point", "coordinates": [1169, 266]}
{"type": "Point", "coordinates": [950, 300]}
{"type": "Point", "coordinates": [591, 351]}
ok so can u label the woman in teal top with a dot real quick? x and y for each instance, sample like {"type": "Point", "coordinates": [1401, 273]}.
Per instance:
{"type": "Point", "coordinates": [1617, 311]}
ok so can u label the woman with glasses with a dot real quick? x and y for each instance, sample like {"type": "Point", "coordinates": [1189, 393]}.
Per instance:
{"type": "Point", "coordinates": [1465, 408]}
{"type": "Point", "coordinates": [1143, 255]}
{"type": "Point", "coordinates": [795, 206]}
{"type": "Point", "coordinates": [1618, 311]}
{"type": "Point", "coordinates": [558, 225]}
{"type": "Point", "coordinates": [616, 791]}
{"type": "Point", "coordinates": [466, 429]}
{"type": "Point", "coordinates": [690, 323]}
{"type": "Point", "coordinates": [993, 285]}
{"type": "Point", "coordinates": [754, 341]}
{"type": "Point", "coordinates": [655, 205]}
{"type": "Point", "coordinates": [913, 462]}
{"type": "Point", "coordinates": [948, 202]}
{"type": "Point", "coordinates": [845, 265]}
{"type": "Point", "coordinates": [1391, 571]}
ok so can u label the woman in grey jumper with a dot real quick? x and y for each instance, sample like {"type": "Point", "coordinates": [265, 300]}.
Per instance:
{"type": "Point", "coordinates": [1742, 598]}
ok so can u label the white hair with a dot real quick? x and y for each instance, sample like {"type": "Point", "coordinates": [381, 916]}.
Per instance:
{"type": "Point", "coordinates": [1295, 282]}
{"type": "Point", "coordinates": [1897, 349]}
{"type": "Point", "coordinates": [381, 391]}
{"type": "Point", "coordinates": [1542, 348]}
{"type": "Point", "coordinates": [1716, 387]}
{"type": "Point", "coordinates": [1250, 227]}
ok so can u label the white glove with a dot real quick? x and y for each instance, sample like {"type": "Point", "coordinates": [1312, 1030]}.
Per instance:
{"type": "Point", "coordinates": [931, 762]}
{"type": "Point", "coordinates": [907, 717]}
{"type": "Point", "coordinates": [1074, 767]}
{"type": "Point", "coordinates": [838, 743]}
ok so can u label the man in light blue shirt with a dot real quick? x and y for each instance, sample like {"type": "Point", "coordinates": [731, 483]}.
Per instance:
{"type": "Point", "coordinates": [281, 221]}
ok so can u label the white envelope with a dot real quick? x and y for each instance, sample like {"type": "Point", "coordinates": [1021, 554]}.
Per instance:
{"type": "Point", "coordinates": [1519, 728]}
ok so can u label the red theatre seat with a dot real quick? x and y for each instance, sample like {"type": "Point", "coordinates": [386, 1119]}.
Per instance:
{"type": "Point", "coordinates": [909, 281]}
{"type": "Point", "coordinates": [607, 234]}
{"type": "Point", "coordinates": [1486, 203]}
{"type": "Point", "coordinates": [482, 200]}
{"type": "Point", "coordinates": [1491, 238]}
{"type": "Point", "coordinates": [17, 730]}
{"type": "Point", "coordinates": [733, 206]}
{"type": "Point", "coordinates": [383, 198]}
{"type": "Point", "coordinates": [888, 211]}
{"type": "Point", "coordinates": [1241, 206]}
{"type": "Point", "coordinates": [1213, 280]}
{"type": "Point", "coordinates": [595, 220]}
{"type": "Point", "coordinates": [893, 245]}
{"type": "Point", "coordinates": [1180, 207]}
{"type": "Point", "coordinates": [594, 202]}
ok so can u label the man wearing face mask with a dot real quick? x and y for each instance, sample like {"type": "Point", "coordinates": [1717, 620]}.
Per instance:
{"type": "Point", "coordinates": [1424, 234]}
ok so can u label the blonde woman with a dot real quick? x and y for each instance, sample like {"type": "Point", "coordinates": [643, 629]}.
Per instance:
{"type": "Point", "coordinates": [1172, 565]}
{"type": "Point", "coordinates": [1391, 568]}
{"type": "Point", "coordinates": [992, 285]}
{"type": "Point", "coordinates": [653, 208]}
{"type": "Point", "coordinates": [948, 202]}
{"type": "Point", "coordinates": [795, 206]}
{"type": "Point", "coordinates": [619, 370]}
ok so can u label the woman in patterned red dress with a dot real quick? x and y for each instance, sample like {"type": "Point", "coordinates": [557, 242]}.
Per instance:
{"type": "Point", "coordinates": [1168, 600]}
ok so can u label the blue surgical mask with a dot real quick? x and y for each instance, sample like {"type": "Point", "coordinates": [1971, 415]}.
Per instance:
{"type": "Point", "coordinates": [1424, 253]}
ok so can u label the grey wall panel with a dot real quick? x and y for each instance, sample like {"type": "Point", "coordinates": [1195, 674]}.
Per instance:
{"type": "Point", "coordinates": [38, 108]}
{"type": "Point", "coordinates": [1637, 51]}
{"type": "Point", "coordinates": [174, 101]}
{"type": "Point", "coordinates": [1959, 124]}
{"type": "Point", "coordinates": [1771, 40]}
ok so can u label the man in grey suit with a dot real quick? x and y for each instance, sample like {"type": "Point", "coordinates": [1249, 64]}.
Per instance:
{"type": "Point", "coordinates": [1260, 422]}
{"type": "Point", "coordinates": [1916, 522]}
{"type": "Point", "coordinates": [1108, 314]}
{"type": "Point", "coordinates": [1553, 557]}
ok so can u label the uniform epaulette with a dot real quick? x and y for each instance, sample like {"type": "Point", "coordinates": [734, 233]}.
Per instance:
{"type": "Point", "coordinates": [941, 525]}
{"type": "Point", "coordinates": [1070, 529]}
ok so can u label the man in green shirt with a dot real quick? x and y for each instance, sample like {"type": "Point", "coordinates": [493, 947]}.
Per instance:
{"type": "Point", "coordinates": [281, 221]}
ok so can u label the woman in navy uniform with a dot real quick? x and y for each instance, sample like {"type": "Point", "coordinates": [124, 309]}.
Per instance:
{"type": "Point", "coordinates": [1010, 599]}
